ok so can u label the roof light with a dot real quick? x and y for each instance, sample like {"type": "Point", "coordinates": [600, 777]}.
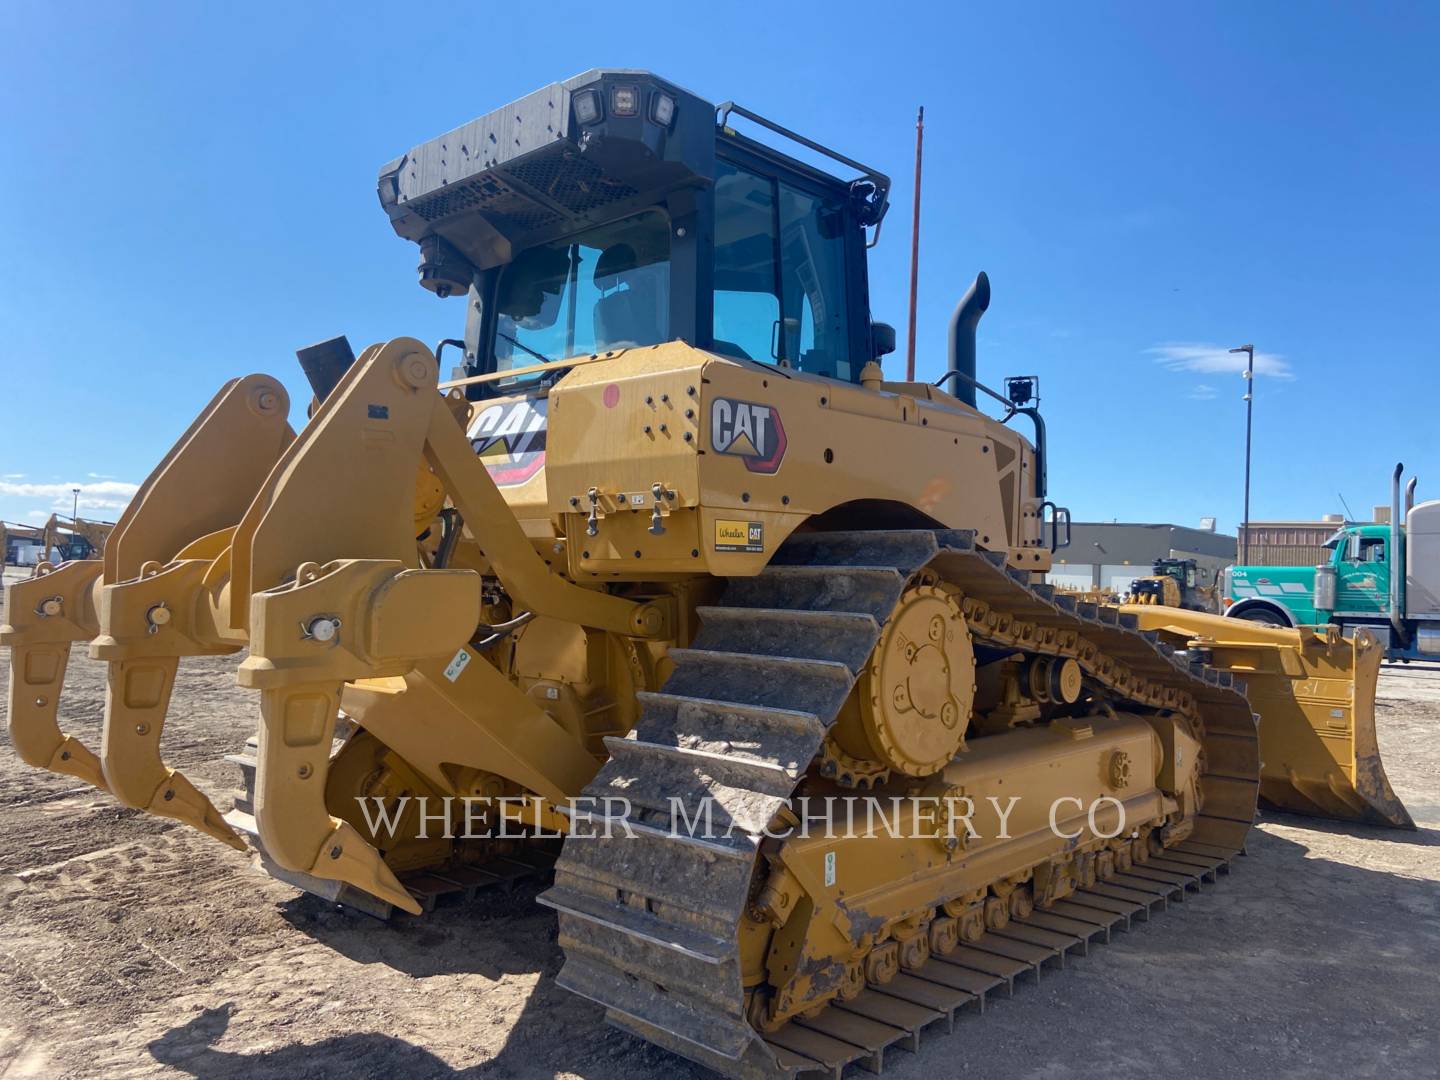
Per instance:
{"type": "Point", "coordinates": [625, 101]}
{"type": "Point", "coordinates": [587, 106]}
{"type": "Point", "coordinates": [662, 109]}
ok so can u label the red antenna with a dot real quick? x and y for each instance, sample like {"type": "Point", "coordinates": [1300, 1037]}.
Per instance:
{"type": "Point", "coordinates": [915, 246]}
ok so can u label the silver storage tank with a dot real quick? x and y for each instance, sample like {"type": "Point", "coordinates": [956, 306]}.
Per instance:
{"type": "Point", "coordinates": [1427, 639]}
{"type": "Point", "coordinates": [1422, 561]}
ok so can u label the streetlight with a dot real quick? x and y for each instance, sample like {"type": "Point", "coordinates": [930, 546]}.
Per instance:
{"type": "Point", "coordinates": [75, 508]}
{"type": "Point", "coordinates": [1249, 351]}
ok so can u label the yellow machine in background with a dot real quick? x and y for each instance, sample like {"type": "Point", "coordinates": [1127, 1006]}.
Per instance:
{"type": "Point", "coordinates": [59, 539]}
{"type": "Point", "coordinates": [1089, 596]}
{"type": "Point", "coordinates": [79, 538]}
{"type": "Point", "coordinates": [667, 547]}
{"type": "Point", "coordinates": [1176, 583]}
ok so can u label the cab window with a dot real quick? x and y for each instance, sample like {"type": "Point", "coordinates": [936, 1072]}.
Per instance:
{"type": "Point", "coordinates": [812, 251]}
{"type": "Point", "coordinates": [1372, 549]}
{"type": "Point", "coordinates": [605, 288]}
{"type": "Point", "coordinates": [747, 283]}
{"type": "Point", "coordinates": [780, 285]}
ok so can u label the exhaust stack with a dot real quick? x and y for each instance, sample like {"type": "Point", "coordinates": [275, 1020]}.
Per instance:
{"type": "Point", "coordinates": [962, 336]}
{"type": "Point", "coordinates": [325, 364]}
{"type": "Point", "coordinates": [1397, 556]}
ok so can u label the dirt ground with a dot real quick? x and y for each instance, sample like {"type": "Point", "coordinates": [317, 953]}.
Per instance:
{"type": "Point", "coordinates": [131, 947]}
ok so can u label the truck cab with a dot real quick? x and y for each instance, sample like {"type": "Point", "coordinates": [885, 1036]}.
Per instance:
{"type": "Point", "coordinates": [1380, 577]}
{"type": "Point", "coordinates": [1353, 584]}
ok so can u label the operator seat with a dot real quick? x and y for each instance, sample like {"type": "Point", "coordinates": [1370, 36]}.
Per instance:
{"type": "Point", "coordinates": [624, 316]}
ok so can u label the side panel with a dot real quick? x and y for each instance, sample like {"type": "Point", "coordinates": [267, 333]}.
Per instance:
{"type": "Point", "coordinates": [751, 452]}
{"type": "Point", "coordinates": [1290, 587]}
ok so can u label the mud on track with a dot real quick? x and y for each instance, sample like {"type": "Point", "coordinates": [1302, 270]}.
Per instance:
{"type": "Point", "coordinates": [133, 947]}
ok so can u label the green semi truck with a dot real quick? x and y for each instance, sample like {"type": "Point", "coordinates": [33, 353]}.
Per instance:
{"type": "Point", "coordinates": [1360, 585]}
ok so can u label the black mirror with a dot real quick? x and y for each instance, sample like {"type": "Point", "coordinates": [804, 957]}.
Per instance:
{"type": "Point", "coordinates": [883, 335]}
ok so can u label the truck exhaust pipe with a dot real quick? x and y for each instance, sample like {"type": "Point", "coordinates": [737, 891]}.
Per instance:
{"type": "Point", "coordinates": [1410, 497]}
{"type": "Point", "coordinates": [962, 337]}
{"type": "Point", "coordinates": [1397, 560]}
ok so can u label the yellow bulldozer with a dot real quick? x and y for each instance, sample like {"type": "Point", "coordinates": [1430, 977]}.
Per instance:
{"type": "Point", "coordinates": [668, 568]}
{"type": "Point", "coordinates": [1179, 583]}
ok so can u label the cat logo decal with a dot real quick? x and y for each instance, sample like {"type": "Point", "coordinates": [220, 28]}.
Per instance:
{"type": "Point", "coordinates": [748, 430]}
{"type": "Point", "coordinates": [509, 438]}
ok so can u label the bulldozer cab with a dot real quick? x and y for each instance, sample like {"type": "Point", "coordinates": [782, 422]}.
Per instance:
{"type": "Point", "coordinates": [617, 211]}
{"type": "Point", "coordinates": [1182, 570]}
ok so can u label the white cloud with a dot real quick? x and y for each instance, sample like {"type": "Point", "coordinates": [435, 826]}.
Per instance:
{"type": "Point", "coordinates": [99, 476]}
{"type": "Point", "coordinates": [1203, 392]}
{"type": "Point", "coordinates": [39, 517]}
{"type": "Point", "coordinates": [96, 495]}
{"type": "Point", "coordinates": [1217, 360]}
{"type": "Point", "coordinates": [14, 476]}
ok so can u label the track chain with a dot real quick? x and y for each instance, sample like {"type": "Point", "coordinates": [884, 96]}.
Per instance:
{"type": "Point", "coordinates": [649, 922]}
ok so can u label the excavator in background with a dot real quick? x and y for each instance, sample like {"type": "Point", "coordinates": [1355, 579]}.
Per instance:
{"type": "Point", "coordinates": [66, 539]}
{"type": "Point", "coordinates": [668, 568]}
{"type": "Point", "coordinates": [1176, 583]}
{"type": "Point", "coordinates": [78, 537]}
{"type": "Point", "coordinates": [59, 539]}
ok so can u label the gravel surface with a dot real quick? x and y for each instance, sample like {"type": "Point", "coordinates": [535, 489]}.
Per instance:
{"type": "Point", "coordinates": [130, 946]}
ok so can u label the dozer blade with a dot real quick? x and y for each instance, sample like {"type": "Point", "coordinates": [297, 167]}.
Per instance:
{"type": "Point", "coordinates": [43, 617]}
{"type": "Point", "coordinates": [166, 590]}
{"type": "Point", "coordinates": [1315, 695]}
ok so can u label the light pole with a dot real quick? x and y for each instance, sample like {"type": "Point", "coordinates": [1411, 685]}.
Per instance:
{"type": "Point", "coordinates": [1249, 351]}
{"type": "Point", "coordinates": [75, 507]}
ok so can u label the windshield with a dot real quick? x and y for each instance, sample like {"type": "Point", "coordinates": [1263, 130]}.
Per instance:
{"type": "Point", "coordinates": [606, 288]}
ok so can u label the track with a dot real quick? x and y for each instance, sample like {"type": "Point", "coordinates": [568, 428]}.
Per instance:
{"type": "Point", "coordinates": [650, 923]}
{"type": "Point", "coordinates": [927, 1000]}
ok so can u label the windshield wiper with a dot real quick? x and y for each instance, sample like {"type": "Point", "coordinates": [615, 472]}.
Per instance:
{"type": "Point", "coordinates": [521, 345]}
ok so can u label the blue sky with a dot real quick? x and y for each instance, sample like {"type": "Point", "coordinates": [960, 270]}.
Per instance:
{"type": "Point", "coordinates": [189, 195]}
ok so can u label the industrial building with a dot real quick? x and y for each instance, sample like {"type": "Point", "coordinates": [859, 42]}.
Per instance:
{"type": "Point", "coordinates": [1110, 555]}
{"type": "Point", "coordinates": [1297, 543]}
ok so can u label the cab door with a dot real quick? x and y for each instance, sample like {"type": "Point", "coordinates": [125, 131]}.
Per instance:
{"type": "Point", "coordinates": [1362, 579]}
